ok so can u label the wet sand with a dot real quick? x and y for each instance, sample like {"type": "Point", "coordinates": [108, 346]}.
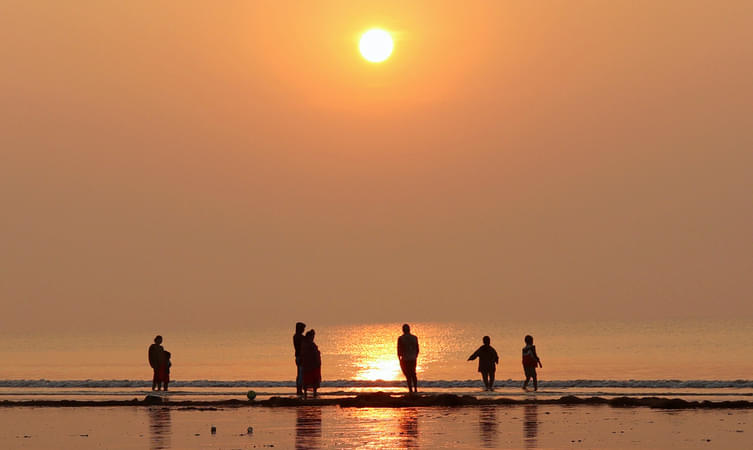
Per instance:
{"type": "Point", "coordinates": [312, 425]}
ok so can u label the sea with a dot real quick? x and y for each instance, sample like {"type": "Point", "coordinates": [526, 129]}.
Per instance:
{"type": "Point", "coordinates": [694, 359]}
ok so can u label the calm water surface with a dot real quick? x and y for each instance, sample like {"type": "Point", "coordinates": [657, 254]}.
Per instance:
{"type": "Point", "coordinates": [712, 350]}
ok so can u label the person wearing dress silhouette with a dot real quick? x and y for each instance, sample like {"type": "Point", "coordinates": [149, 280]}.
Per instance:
{"type": "Point", "coordinates": [487, 363]}
{"type": "Point", "coordinates": [311, 360]}
{"type": "Point", "coordinates": [407, 353]}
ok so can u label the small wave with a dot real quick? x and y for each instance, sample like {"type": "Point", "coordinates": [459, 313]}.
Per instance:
{"type": "Point", "coordinates": [667, 384]}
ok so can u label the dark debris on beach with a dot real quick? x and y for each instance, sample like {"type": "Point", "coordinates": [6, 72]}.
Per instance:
{"type": "Point", "coordinates": [386, 400]}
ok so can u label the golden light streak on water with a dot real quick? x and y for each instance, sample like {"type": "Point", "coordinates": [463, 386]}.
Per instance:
{"type": "Point", "coordinates": [373, 349]}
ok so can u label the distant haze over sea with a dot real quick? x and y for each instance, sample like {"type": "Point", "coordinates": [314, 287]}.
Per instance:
{"type": "Point", "coordinates": [598, 350]}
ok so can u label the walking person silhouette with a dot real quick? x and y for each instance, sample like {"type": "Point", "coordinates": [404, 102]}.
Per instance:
{"type": "Point", "coordinates": [487, 362]}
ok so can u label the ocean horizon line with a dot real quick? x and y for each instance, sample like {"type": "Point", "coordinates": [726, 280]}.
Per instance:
{"type": "Point", "coordinates": [343, 383]}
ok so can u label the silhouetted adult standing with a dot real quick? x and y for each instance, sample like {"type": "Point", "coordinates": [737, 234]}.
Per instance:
{"type": "Point", "coordinates": [311, 360]}
{"type": "Point", "coordinates": [487, 360]}
{"type": "Point", "coordinates": [297, 341]}
{"type": "Point", "coordinates": [156, 361]}
{"type": "Point", "coordinates": [407, 353]}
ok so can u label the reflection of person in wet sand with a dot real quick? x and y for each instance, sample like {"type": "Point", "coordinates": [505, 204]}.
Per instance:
{"type": "Point", "coordinates": [487, 363]}
{"type": "Point", "coordinates": [159, 427]}
{"type": "Point", "coordinates": [487, 421]}
{"type": "Point", "coordinates": [407, 353]}
{"type": "Point", "coordinates": [530, 361]}
{"type": "Point", "coordinates": [308, 427]}
{"type": "Point", "coordinates": [408, 424]}
{"type": "Point", "coordinates": [530, 425]}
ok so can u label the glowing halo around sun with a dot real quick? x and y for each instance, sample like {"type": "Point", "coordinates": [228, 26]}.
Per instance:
{"type": "Point", "coordinates": [376, 45]}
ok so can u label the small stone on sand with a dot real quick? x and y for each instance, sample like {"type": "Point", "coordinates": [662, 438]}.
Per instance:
{"type": "Point", "coordinates": [152, 399]}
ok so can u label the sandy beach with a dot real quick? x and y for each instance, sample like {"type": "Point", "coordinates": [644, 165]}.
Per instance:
{"type": "Point", "coordinates": [485, 426]}
{"type": "Point", "coordinates": [378, 420]}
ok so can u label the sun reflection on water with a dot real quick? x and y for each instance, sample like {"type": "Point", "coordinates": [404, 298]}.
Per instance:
{"type": "Point", "coordinates": [372, 350]}
{"type": "Point", "coordinates": [377, 367]}
{"type": "Point", "coordinates": [386, 427]}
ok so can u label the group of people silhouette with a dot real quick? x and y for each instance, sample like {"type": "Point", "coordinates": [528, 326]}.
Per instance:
{"type": "Point", "coordinates": [488, 360]}
{"type": "Point", "coordinates": [308, 361]}
{"type": "Point", "coordinates": [159, 360]}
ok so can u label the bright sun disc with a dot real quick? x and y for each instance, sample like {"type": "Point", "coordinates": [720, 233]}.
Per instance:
{"type": "Point", "coordinates": [376, 45]}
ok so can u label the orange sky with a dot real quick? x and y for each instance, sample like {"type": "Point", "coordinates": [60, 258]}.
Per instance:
{"type": "Point", "coordinates": [235, 163]}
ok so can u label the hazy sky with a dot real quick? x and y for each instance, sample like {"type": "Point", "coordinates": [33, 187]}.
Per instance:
{"type": "Point", "coordinates": [225, 164]}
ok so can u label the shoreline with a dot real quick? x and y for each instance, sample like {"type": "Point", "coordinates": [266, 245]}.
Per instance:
{"type": "Point", "coordinates": [386, 400]}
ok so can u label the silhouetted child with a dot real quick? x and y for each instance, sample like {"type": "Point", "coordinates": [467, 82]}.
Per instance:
{"type": "Point", "coordinates": [166, 372]}
{"type": "Point", "coordinates": [487, 360]}
{"type": "Point", "coordinates": [530, 361]}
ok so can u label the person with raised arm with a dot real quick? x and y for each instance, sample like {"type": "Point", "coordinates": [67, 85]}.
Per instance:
{"type": "Point", "coordinates": [487, 362]}
{"type": "Point", "coordinates": [297, 341]}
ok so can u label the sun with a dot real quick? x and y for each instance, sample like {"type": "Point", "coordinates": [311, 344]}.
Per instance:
{"type": "Point", "coordinates": [376, 45]}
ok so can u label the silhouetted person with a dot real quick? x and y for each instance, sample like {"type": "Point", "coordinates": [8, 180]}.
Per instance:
{"type": "Point", "coordinates": [156, 358]}
{"type": "Point", "coordinates": [487, 363]}
{"type": "Point", "coordinates": [311, 359]}
{"type": "Point", "coordinates": [165, 370]}
{"type": "Point", "coordinates": [530, 361]}
{"type": "Point", "coordinates": [297, 341]}
{"type": "Point", "coordinates": [407, 352]}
